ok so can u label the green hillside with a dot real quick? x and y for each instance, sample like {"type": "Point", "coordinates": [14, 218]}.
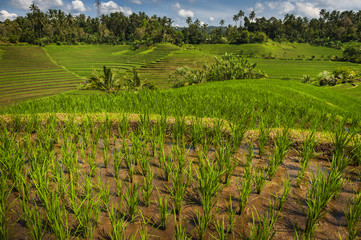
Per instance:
{"type": "Point", "coordinates": [27, 72]}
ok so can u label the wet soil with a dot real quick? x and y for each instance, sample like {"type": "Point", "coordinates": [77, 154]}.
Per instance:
{"type": "Point", "coordinates": [292, 217]}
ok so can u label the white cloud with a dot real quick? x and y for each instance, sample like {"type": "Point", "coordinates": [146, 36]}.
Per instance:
{"type": "Point", "coordinates": [6, 15]}
{"type": "Point", "coordinates": [308, 10]}
{"type": "Point", "coordinates": [259, 7]}
{"type": "Point", "coordinates": [181, 11]}
{"type": "Point", "coordinates": [77, 6]}
{"type": "Point", "coordinates": [337, 4]}
{"type": "Point", "coordinates": [42, 4]}
{"type": "Point", "coordinates": [139, 2]}
{"type": "Point", "coordinates": [109, 7]}
{"type": "Point", "coordinates": [185, 13]}
{"type": "Point", "coordinates": [281, 7]}
{"type": "Point", "coordinates": [278, 9]}
{"type": "Point", "coordinates": [211, 19]}
{"type": "Point", "coordinates": [177, 5]}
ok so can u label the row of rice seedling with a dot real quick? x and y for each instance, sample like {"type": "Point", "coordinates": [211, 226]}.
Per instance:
{"type": "Point", "coordinates": [27, 72]}
{"type": "Point", "coordinates": [276, 107]}
{"type": "Point", "coordinates": [86, 58]}
{"type": "Point", "coordinates": [80, 177]}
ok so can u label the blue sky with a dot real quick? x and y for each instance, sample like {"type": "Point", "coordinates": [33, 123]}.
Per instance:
{"type": "Point", "coordinates": [210, 12]}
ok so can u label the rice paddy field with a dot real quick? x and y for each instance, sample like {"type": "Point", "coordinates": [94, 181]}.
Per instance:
{"type": "Point", "coordinates": [27, 72]}
{"type": "Point", "coordinates": [241, 159]}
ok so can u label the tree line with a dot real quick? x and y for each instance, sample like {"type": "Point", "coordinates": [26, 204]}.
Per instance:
{"type": "Point", "coordinates": [56, 26]}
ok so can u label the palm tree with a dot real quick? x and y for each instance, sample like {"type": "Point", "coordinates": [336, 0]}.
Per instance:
{"type": "Point", "coordinates": [221, 22]}
{"type": "Point", "coordinates": [240, 15]}
{"type": "Point", "coordinates": [189, 20]}
{"type": "Point", "coordinates": [98, 3]}
{"type": "Point", "coordinates": [252, 15]}
{"type": "Point", "coordinates": [105, 81]}
{"type": "Point", "coordinates": [236, 18]}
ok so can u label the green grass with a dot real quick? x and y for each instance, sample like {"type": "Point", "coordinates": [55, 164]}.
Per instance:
{"type": "Point", "coordinates": [154, 63]}
{"type": "Point", "coordinates": [273, 50]}
{"type": "Point", "coordinates": [27, 72]}
{"type": "Point", "coordinates": [86, 57]}
{"type": "Point", "coordinates": [349, 89]}
{"type": "Point", "coordinates": [277, 102]}
{"type": "Point", "coordinates": [295, 69]}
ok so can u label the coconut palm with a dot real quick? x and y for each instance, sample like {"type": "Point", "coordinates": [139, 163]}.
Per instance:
{"type": "Point", "coordinates": [105, 81]}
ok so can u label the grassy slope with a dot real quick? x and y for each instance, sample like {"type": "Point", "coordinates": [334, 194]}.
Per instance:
{"type": "Point", "coordinates": [156, 63]}
{"type": "Point", "coordinates": [85, 57]}
{"type": "Point", "coordinates": [281, 60]}
{"type": "Point", "coordinates": [278, 102]}
{"type": "Point", "coordinates": [27, 72]}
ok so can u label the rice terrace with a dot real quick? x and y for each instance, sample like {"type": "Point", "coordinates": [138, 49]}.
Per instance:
{"type": "Point", "coordinates": [126, 126]}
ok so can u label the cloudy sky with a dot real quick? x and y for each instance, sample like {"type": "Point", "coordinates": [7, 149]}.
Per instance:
{"type": "Point", "coordinates": [207, 11]}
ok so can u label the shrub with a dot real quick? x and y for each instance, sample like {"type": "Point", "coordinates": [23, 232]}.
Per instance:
{"type": "Point", "coordinates": [228, 67]}
{"type": "Point", "coordinates": [352, 54]}
{"type": "Point", "coordinates": [111, 82]}
{"type": "Point", "coordinates": [338, 76]}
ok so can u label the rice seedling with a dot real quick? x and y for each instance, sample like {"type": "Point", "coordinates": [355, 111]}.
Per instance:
{"type": "Point", "coordinates": [356, 151]}
{"type": "Point", "coordinates": [353, 216]}
{"type": "Point", "coordinates": [92, 163]}
{"type": "Point", "coordinates": [164, 163]}
{"type": "Point", "coordinates": [119, 186]}
{"type": "Point", "coordinates": [283, 144]}
{"type": "Point", "coordinates": [272, 166]}
{"type": "Point", "coordinates": [341, 139]}
{"type": "Point", "coordinates": [104, 193]}
{"type": "Point", "coordinates": [153, 145]}
{"type": "Point", "coordinates": [196, 131]}
{"type": "Point", "coordinates": [250, 154]}
{"type": "Point", "coordinates": [144, 165]}
{"type": "Point", "coordinates": [218, 126]}
{"type": "Point", "coordinates": [132, 200]}
{"type": "Point", "coordinates": [130, 164]}
{"type": "Point", "coordinates": [238, 131]}
{"type": "Point", "coordinates": [222, 233]}
{"type": "Point", "coordinates": [208, 184]}
{"type": "Point", "coordinates": [339, 163]}
{"type": "Point", "coordinates": [85, 210]}
{"type": "Point", "coordinates": [205, 219]}
{"type": "Point", "coordinates": [147, 188]}
{"type": "Point", "coordinates": [286, 190]}
{"type": "Point", "coordinates": [322, 190]}
{"type": "Point", "coordinates": [308, 152]}
{"type": "Point", "coordinates": [231, 216]}
{"type": "Point", "coordinates": [265, 228]}
{"type": "Point", "coordinates": [117, 161]}
{"type": "Point", "coordinates": [5, 226]}
{"type": "Point", "coordinates": [34, 224]}
{"type": "Point", "coordinates": [245, 189]}
{"type": "Point", "coordinates": [118, 224]}
{"type": "Point", "coordinates": [123, 125]}
{"type": "Point", "coordinates": [179, 230]}
{"type": "Point", "coordinates": [106, 156]}
{"type": "Point", "coordinates": [182, 155]}
{"type": "Point", "coordinates": [225, 162]}
{"type": "Point", "coordinates": [162, 203]}
{"type": "Point", "coordinates": [179, 128]}
{"type": "Point", "coordinates": [143, 229]}
{"type": "Point", "coordinates": [263, 138]}
{"type": "Point", "coordinates": [178, 190]}
{"type": "Point", "coordinates": [144, 123]}
{"type": "Point", "coordinates": [57, 217]}
{"type": "Point", "coordinates": [259, 179]}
